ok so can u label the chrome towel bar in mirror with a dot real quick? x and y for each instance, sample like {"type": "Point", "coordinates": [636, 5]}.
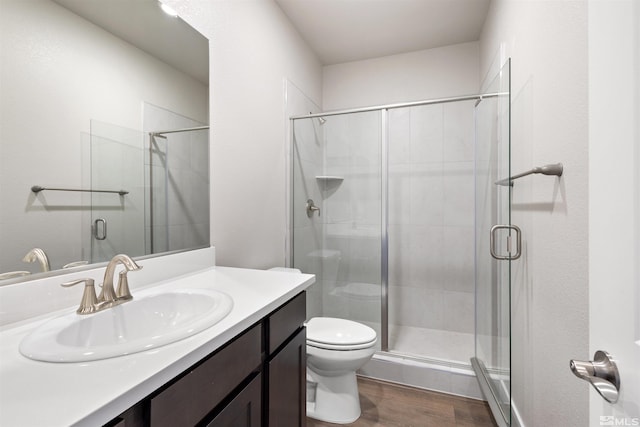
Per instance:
{"type": "Point", "coordinates": [36, 189]}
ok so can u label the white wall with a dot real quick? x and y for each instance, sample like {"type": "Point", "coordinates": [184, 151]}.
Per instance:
{"type": "Point", "coordinates": [547, 41]}
{"type": "Point", "coordinates": [614, 201]}
{"type": "Point", "coordinates": [426, 74]}
{"type": "Point", "coordinates": [58, 73]}
{"type": "Point", "coordinates": [253, 49]}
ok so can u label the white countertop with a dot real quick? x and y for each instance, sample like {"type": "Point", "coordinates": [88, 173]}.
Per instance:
{"type": "Point", "coordinates": [92, 393]}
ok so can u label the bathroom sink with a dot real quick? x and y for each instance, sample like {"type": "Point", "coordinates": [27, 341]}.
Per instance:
{"type": "Point", "coordinates": [138, 325]}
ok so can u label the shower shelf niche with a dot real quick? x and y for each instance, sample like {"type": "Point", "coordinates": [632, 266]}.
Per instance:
{"type": "Point", "coordinates": [329, 178]}
{"type": "Point", "coordinates": [329, 183]}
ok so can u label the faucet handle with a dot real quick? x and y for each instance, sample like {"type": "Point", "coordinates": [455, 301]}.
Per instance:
{"type": "Point", "coordinates": [89, 299]}
{"type": "Point", "coordinates": [123, 292]}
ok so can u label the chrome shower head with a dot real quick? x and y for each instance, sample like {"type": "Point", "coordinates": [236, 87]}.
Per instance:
{"type": "Point", "coordinates": [321, 119]}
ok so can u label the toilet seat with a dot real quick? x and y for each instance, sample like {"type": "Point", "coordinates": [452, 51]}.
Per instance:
{"type": "Point", "coordinates": [341, 347]}
{"type": "Point", "coordinates": [339, 334]}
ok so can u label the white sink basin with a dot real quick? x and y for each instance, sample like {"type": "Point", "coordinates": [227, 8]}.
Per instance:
{"type": "Point", "coordinates": [138, 325]}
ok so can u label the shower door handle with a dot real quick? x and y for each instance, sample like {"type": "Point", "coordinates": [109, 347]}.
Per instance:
{"type": "Point", "coordinates": [492, 242]}
{"type": "Point", "coordinates": [96, 229]}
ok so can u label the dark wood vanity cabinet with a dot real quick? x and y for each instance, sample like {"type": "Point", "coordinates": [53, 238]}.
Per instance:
{"type": "Point", "coordinates": [286, 365]}
{"type": "Point", "coordinates": [258, 379]}
{"type": "Point", "coordinates": [287, 384]}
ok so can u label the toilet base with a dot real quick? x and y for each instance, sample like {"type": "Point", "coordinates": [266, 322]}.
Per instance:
{"type": "Point", "coordinates": [336, 398]}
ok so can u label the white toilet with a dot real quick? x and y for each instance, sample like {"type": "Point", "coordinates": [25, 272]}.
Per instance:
{"type": "Point", "coordinates": [336, 348]}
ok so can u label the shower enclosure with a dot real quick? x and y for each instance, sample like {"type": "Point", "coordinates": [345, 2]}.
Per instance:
{"type": "Point", "coordinates": [391, 209]}
{"type": "Point", "coordinates": [164, 174]}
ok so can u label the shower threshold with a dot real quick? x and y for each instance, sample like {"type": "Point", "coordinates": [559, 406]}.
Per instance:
{"type": "Point", "coordinates": [450, 347]}
{"type": "Point", "coordinates": [429, 374]}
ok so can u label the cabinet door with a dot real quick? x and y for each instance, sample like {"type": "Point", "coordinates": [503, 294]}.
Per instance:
{"type": "Point", "coordinates": [189, 399]}
{"type": "Point", "coordinates": [287, 384]}
{"type": "Point", "coordinates": [245, 410]}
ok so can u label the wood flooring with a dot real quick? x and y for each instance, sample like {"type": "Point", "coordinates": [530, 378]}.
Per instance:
{"type": "Point", "coordinates": [389, 405]}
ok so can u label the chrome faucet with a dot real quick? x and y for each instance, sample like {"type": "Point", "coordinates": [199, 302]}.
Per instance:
{"type": "Point", "coordinates": [89, 303]}
{"type": "Point", "coordinates": [37, 254]}
{"type": "Point", "coordinates": [122, 293]}
{"type": "Point", "coordinates": [108, 297]}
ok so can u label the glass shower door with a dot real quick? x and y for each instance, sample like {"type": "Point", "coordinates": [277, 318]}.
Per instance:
{"type": "Point", "coordinates": [492, 363]}
{"type": "Point", "coordinates": [337, 214]}
{"type": "Point", "coordinates": [117, 221]}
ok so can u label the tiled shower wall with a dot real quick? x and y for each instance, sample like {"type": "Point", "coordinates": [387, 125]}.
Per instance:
{"type": "Point", "coordinates": [431, 217]}
{"type": "Point", "coordinates": [352, 220]}
{"type": "Point", "coordinates": [337, 164]}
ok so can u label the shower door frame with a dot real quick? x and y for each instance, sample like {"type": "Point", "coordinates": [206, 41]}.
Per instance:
{"type": "Point", "coordinates": [384, 256]}
{"type": "Point", "coordinates": [490, 378]}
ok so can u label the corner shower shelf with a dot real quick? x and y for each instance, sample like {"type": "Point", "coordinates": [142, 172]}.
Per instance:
{"type": "Point", "coordinates": [329, 183]}
{"type": "Point", "coordinates": [329, 178]}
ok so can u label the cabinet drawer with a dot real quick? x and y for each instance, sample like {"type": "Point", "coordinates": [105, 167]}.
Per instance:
{"type": "Point", "coordinates": [286, 320]}
{"type": "Point", "coordinates": [188, 400]}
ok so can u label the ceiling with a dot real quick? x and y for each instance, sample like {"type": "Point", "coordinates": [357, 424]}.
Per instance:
{"type": "Point", "coordinates": [143, 24]}
{"type": "Point", "coordinates": [352, 30]}
{"type": "Point", "coordinates": [337, 30]}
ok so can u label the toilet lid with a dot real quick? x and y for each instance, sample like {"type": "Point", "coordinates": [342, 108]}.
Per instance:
{"type": "Point", "coordinates": [329, 331]}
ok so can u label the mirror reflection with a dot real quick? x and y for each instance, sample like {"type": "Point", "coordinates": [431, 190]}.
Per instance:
{"type": "Point", "coordinates": [104, 136]}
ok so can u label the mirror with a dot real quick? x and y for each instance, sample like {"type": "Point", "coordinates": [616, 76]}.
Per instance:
{"type": "Point", "coordinates": [107, 96]}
